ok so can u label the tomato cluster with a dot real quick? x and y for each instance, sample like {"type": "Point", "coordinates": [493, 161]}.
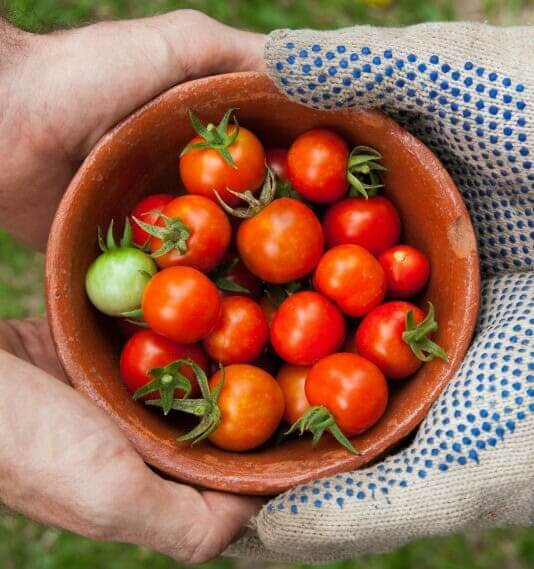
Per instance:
{"type": "Point", "coordinates": [268, 304]}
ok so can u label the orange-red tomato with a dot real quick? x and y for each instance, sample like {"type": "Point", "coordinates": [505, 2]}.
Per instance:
{"type": "Point", "coordinates": [317, 165]}
{"type": "Point", "coordinates": [205, 170]}
{"type": "Point", "coordinates": [352, 388]}
{"type": "Point", "coordinates": [352, 278]}
{"type": "Point", "coordinates": [181, 304]}
{"type": "Point", "coordinates": [291, 380]}
{"type": "Point", "coordinates": [240, 334]}
{"type": "Point", "coordinates": [146, 210]}
{"type": "Point", "coordinates": [406, 269]}
{"type": "Point", "coordinates": [146, 350]}
{"type": "Point", "coordinates": [251, 405]}
{"type": "Point", "coordinates": [283, 242]}
{"type": "Point", "coordinates": [372, 223]}
{"type": "Point", "coordinates": [277, 161]}
{"type": "Point", "coordinates": [307, 327]}
{"type": "Point", "coordinates": [379, 339]}
{"type": "Point", "coordinates": [210, 233]}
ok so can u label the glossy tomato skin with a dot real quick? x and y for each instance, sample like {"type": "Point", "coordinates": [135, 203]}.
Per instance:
{"type": "Point", "coordinates": [205, 170]}
{"type": "Point", "coordinates": [351, 277]}
{"type": "Point", "coordinates": [283, 242]}
{"type": "Point", "coordinates": [317, 165]}
{"type": "Point", "coordinates": [307, 327]}
{"type": "Point", "coordinates": [181, 304]}
{"type": "Point", "coordinates": [146, 350]}
{"type": "Point", "coordinates": [379, 339]}
{"type": "Point", "coordinates": [210, 233]}
{"type": "Point", "coordinates": [352, 388]}
{"type": "Point", "coordinates": [143, 211]}
{"type": "Point", "coordinates": [251, 405]}
{"type": "Point", "coordinates": [277, 162]}
{"type": "Point", "coordinates": [371, 223]}
{"type": "Point", "coordinates": [292, 380]}
{"type": "Point", "coordinates": [406, 269]}
{"type": "Point", "coordinates": [240, 334]}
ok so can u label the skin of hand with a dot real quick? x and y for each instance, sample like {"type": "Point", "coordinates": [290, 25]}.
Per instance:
{"type": "Point", "coordinates": [65, 463]}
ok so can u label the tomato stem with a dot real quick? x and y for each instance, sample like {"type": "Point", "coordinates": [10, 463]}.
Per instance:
{"type": "Point", "coordinates": [174, 234]}
{"type": "Point", "coordinates": [215, 137]}
{"type": "Point", "coordinates": [362, 171]}
{"type": "Point", "coordinates": [255, 205]}
{"type": "Point", "coordinates": [317, 420]}
{"type": "Point", "coordinates": [166, 380]}
{"type": "Point", "coordinates": [416, 336]}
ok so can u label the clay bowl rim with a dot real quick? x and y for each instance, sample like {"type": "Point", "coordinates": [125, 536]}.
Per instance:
{"type": "Point", "coordinates": [146, 445]}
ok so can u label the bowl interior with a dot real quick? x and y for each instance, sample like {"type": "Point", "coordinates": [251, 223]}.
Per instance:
{"type": "Point", "coordinates": [140, 157]}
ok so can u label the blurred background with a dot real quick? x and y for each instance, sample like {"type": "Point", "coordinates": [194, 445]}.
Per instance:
{"type": "Point", "coordinates": [25, 545]}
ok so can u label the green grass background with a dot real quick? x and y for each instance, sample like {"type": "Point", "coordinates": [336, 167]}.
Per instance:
{"type": "Point", "coordinates": [25, 545]}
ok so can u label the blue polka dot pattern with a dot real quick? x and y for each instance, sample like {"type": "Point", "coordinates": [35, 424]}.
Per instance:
{"type": "Point", "coordinates": [473, 117]}
{"type": "Point", "coordinates": [473, 416]}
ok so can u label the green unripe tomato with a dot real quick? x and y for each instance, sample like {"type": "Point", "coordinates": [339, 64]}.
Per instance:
{"type": "Point", "coordinates": [117, 278]}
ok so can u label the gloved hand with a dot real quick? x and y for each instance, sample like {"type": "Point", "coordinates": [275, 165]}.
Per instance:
{"type": "Point", "coordinates": [466, 90]}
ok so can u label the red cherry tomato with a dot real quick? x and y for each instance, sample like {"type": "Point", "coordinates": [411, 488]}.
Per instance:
{"type": "Point", "coordinates": [317, 165]}
{"type": "Point", "coordinates": [379, 339]}
{"type": "Point", "coordinates": [306, 327]}
{"type": "Point", "coordinates": [291, 380]}
{"type": "Point", "coordinates": [283, 242]}
{"type": "Point", "coordinates": [353, 389]}
{"type": "Point", "coordinates": [181, 304]}
{"type": "Point", "coordinates": [143, 211]}
{"type": "Point", "coordinates": [146, 350]}
{"type": "Point", "coordinates": [406, 269]}
{"type": "Point", "coordinates": [277, 162]}
{"type": "Point", "coordinates": [251, 405]}
{"type": "Point", "coordinates": [352, 278]}
{"type": "Point", "coordinates": [209, 233]}
{"type": "Point", "coordinates": [240, 334]}
{"type": "Point", "coordinates": [204, 171]}
{"type": "Point", "coordinates": [372, 223]}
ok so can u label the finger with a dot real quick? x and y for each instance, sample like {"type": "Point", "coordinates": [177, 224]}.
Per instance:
{"type": "Point", "coordinates": [185, 524]}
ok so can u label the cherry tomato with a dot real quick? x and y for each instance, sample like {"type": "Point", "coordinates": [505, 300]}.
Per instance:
{"type": "Point", "coordinates": [202, 229]}
{"type": "Point", "coordinates": [291, 380]}
{"type": "Point", "coordinates": [281, 243]}
{"type": "Point", "coordinates": [205, 170]}
{"type": "Point", "coordinates": [146, 350]}
{"type": "Point", "coordinates": [144, 211]}
{"type": "Point", "coordinates": [277, 161]}
{"type": "Point", "coordinates": [379, 339]}
{"type": "Point", "coordinates": [372, 223]}
{"type": "Point", "coordinates": [406, 269]}
{"type": "Point", "coordinates": [352, 388]}
{"type": "Point", "coordinates": [240, 334]}
{"type": "Point", "coordinates": [351, 277]}
{"type": "Point", "coordinates": [251, 405]}
{"type": "Point", "coordinates": [317, 165]}
{"type": "Point", "coordinates": [181, 304]}
{"type": "Point", "coordinates": [306, 327]}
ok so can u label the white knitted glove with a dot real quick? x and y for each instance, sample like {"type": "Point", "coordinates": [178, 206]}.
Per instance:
{"type": "Point", "coordinates": [467, 91]}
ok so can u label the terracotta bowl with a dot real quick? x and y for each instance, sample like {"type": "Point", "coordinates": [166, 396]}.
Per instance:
{"type": "Point", "coordinates": [139, 157]}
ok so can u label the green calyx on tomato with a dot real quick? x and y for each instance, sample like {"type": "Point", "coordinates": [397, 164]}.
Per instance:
{"type": "Point", "coordinates": [173, 233]}
{"type": "Point", "coordinates": [317, 420]}
{"type": "Point", "coordinates": [221, 280]}
{"type": "Point", "coordinates": [416, 336]}
{"type": "Point", "coordinates": [206, 408]}
{"type": "Point", "coordinates": [166, 380]}
{"type": "Point", "coordinates": [255, 205]}
{"type": "Point", "coordinates": [362, 171]}
{"type": "Point", "coordinates": [278, 293]}
{"type": "Point", "coordinates": [215, 137]}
